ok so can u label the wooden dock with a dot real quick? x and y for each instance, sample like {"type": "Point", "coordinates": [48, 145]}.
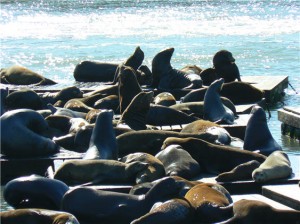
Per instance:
{"type": "Point", "coordinates": [290, 118]}
{"type": "Point", "coordinates": [273, 86]}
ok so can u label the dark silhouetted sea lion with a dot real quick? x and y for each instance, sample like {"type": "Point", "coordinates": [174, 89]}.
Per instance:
{"type": "Point", "coordinates": [3, 94]}
{"type": "Point", "coordinates": [208, 201]}
{"type": "Point", "coordinates": [178, 162]}
{"type": "Point", "coordinates": [91, 172]}
{"type": "Point", "coordinates": [34, 192]}
{"type": "Point", "coordinates": [103, 143]}
{"type": "Point", "coordinates": [174, 211]}
{"type": "Point", "coordinates": [240, 172]}
{"type": "Point", "coordinates": [109, 102]}
{"type": "Point", "coordinates": [26, 134]}
{"type": "Point", "coordinates": [225, 66]}
{"type": "Point", "coordinates": [150, 141]}
{"type": "Point", "coordinates": [154, 170]}
{"type": "Point", "coordinates": [214, 158]}
{"type": "Point", "coordinates": [253, 211]}
{"type": "Point", "coordinates": [88, 204]}
{"type": "Point", "coordinates": [257, 134]}
{"type": "Point", "coordinates": [18, 75]}
{"type": "Point", "coordinates": [214, 109]}
{"type": "Point", "coordinates": [237, 92]}
{"type": "Point", "coordinates": [276, 166]}
{"type": "Point", "coordinates": [37, 216]}
{"type": "Point", "coordinates": [165, 77]}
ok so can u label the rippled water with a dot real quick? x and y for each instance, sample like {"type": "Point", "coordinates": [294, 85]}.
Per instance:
{"type": "Point", "coordinates": [51, 37]}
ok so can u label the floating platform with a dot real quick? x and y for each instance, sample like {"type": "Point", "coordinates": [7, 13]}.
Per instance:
{"type": "Point", "coordinates": [273, 86]}
{"type": "Point", "coordinates": [287, 194]}
{"type": "Point", "coordinates": [290, 118]}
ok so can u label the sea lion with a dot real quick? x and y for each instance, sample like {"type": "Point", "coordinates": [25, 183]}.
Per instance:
{"type": "Point", "coordinates": [37, 216]}
{"type": "Point", "coordinates": [18, 75]}
{"type": "Point", "coordinates": [253, 211]}
{"type": "Point", "coordinates": [23, 98]}
{"type": "Point", "coordinates": [208, 76]}
{"type": "Point", "coordinates": [110, 102]}
{"type": "Point", "coordinates": [164, 99]}
{"type": "Point", "coordinates": [34, 192]}
{"type": "Point", "coordinates": [103, 143]}
{"type": "Point", "coordinates": [26, 134]}
{"type": "Point", "coordinates": [257, 134]}
{"type": "Point", "coordinates": [77, 105]}
{"type": "Point", "coordinates": [150, 141]}
{"type": "Point", "coordinates": [88, 204]}
{"type": "Point", "coordinates": [87, 172]}
{"type": "Point", "coordinates": [159, 115]}
{"type": "Point", "coordinates": [208, 200]}
{"type": "Point", "coordinates": [276, 166]}
{"type": "Point", "coordinates": [214, 109]}
{"type": "Point", "coordinates": [237, 92]}
{"type": "Point", "coordinates": [192, 69]}
{"type": "Point", "coordinates": [144, 76]}
{"type": "Point", "coordinates": [3, 94]}
{"type": "Point", "coordinates": [154, 170]}
{"type": "Point", "coordinates": [240, 172]}
{"type": "Point", "coordinates": [65, 111]}
{"type": "Point", "coordinates": [214, 158]}
{"type": "Point", "coordinates": [225, 66]}
{"type": "Point", "coordinates": [178, 162]}
{"type": "Point", "coordinates": [165, 77]}
{"type": "Point", "coordinates": [173, 211]}
{"type": "Point", "coordinates": [135, 115]}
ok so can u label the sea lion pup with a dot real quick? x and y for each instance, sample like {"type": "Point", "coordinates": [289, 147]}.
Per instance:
{"type": "Point", "coordinates": [150, 141]}
{"type": "Point", "coordinates": [164, 99]}
{"type": "Point", "coordinates": [18, 75]}
{"type": "Point", "coordinates": [237, 92]}
{"type": "Point", "coordinates": [202, 126]}
{"type": "Point", "coordinates": [23, 98]}
{"type": "Point", "coordinates": [92, 205]}
{"type": "Point", "coordinates": [257, 134]}
{"type": "Point", "coordinates": [210, 202]}
{"type": "Point", "coordinates": [177, 210]}
{"type": "Point", "coordinates": [240, 172]}
{"type": "Point", "coordinates": [91, 172]}
{"type": "Point", "coordinates": [103, 143]}
{"type": "Point", "coordinates": [225, 66]}
{"type": "Point", "coordinates": [253, 211]}
{"type": "Point", "coordinates": [65, 111]}
{"type": "Point", "coordinates": [178, 162]}
{"type": "Point", "coordinates": [135, 115]}
{"type": "Point", "coordinates": [276, 166]}
{"type": "Point", "coordinates": [165, 77]}
{"type": "Point", "coordinates": [37, 216]}
{"type": "Point", "coordinates": [26, 134]}
{"type": "Point", "coordinates": [34, 192]}
{"type": "Point", "coordinates": [214, 109]}
{"type": "Point", "coordinates": [212, 157]}
{"type": "Point", "coordinates": [128, 86]}
{"type": "Point", "coordinates": [154, 170]}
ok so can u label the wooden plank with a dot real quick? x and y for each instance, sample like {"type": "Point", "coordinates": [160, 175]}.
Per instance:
{"type": "Point", "coordinates": [288, 194]}
{"type": "Point", "coordinates": [290, 116]}
{"type": "Point", "coordinates": [262, 198]}
{"type": "Point", "coordinates": [272, 85]}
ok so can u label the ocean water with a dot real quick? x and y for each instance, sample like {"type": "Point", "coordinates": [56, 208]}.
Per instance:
{"type": "Point", "coordinates": [51, 37]}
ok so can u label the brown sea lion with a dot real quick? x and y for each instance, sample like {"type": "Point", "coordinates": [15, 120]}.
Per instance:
{"type": "Point", "coordinates": [253, 211]}
{"type": "Point", "coordinates": [214, 158]}
{"type": "Point", "coordinates": [208, 201]}
{"type": "Point", "coordinates": [26, 134]}
{"type": "Point", "coordinates": [178, 162]}
{"type": "Point", "coordinates": [150, 141]}
{"type": "Point", "coordinates": [276, 166]}
{"type": "Point", "coordinates": [154, 171]}
{"type": "Point", "coordinates": [109, 102]}
{"type": "Point", "coordinates": [65, 111]}
{"type": "Point", "coordinates": [37, 216]}
{"type": "Point", "coordinates": [77, 105]}
{"type": "Point", "coordinates": [165, 99]}
{"type": "Point", "coordinates": [88, 172]}
{"type": "Point", "coordinates": [240, 172]}
{"type": "Point", "coordinates": [18, 75]}
{"type": "Point", "coordinates": [99, 206]}
{"type": "Point", "coordinates": [174, 211]}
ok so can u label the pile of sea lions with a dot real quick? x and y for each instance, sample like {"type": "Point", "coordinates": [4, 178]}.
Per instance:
{"type": "Point", "coordinates": [116, 130]}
